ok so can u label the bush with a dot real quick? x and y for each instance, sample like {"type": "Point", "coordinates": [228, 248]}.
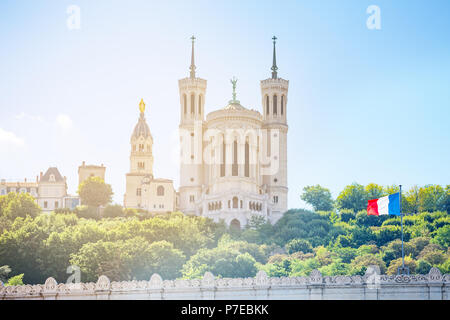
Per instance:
{"type": "Point", "coordinates": [87, 212]}
{"type": "Point", "coordinates": [299, 245]}
{"type": "Point", "coordinates": [359, 264]}
{"type": "Point", "coordinates": [395, 264]}
{"type": "Point", "coordinates": [423, 267]}
{"type": "Point", "coordinates": [113, 211]}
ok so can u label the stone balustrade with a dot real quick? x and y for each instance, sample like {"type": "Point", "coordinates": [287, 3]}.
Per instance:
{"type": "Point", "coordinates": [371, 286]}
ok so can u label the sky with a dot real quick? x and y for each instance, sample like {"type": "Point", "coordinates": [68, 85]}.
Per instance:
{"type": "Point", "coordinates": [364, 105]}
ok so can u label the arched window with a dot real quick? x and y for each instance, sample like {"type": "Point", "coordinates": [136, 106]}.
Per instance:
{"type": "Point", "coordinates": [45, 204]}
{"type": "Point", "coordinates": [235, 224]}
{"type": "Point", "coordinates": [56, 204]}
{"type": "Point", "coordinates": [52, 178]}
{"type": "Point", "coordinates": [282, 105]}
{"type": "Point", "coordinates": [185, 103]}
{"type": "Point", "coordinates": [267, 105]}
{"type": "Point", "coordinates": [199, 105]}
{"type": "Point", "coordinates": [242, 204]}
{"type": "Point", "coordinates": [224, 154]}
{"type": "Point", "coordinates": [247, 158]}
{"type": "Point", "coordinates": [234, 169]}
{"type": "Point", "coordinates": [192, 103]}
{"type": "Point", "coordinates": [235, 202]}
{"type": "Point", "coordinates": [160, 191]}
{"type": "Point", "coordinates": [275, 104]}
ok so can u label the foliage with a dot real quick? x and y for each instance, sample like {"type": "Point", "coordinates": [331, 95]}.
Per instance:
{"type": "Point", "coordinates": [318, 197]}
{"type": "Point", "coordinates": [113, 211]}
{"type": "Point", "coordinates": [353, 197]}
{"type": "Point", "coordinates": [395, 264]}
{"type": "Point", "coordinates": [127, 244]}
{"type": "Point", "coordinates": [298, 245]}
{"type": "Point", "coordinates": [95, 192]}
{"type": "Point", "coordinates": [15, 205]}
{"type": "Point", "coordinates": [15, 281]}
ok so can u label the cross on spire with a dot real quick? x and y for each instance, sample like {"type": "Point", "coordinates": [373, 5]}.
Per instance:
{"type": "Point", "coordinates": [192, 67]}
{"type": "Point", "coordinates": [274, 64]}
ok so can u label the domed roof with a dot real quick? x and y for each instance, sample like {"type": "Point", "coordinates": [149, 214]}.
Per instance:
{"type": "Point", "coordinates": [141, 129]}
{"type": "Point", "coordinates": [234, 105]}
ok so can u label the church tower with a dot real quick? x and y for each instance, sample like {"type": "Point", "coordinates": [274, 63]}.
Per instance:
{"type": "Point", "coordinates": [192, 115]}
{"type": "Point", "coordinates": [141, 162]}
{"type": "Point", "coordinates": [274, 92]}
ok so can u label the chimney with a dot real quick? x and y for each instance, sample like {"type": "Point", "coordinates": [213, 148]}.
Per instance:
{"type": "Point", "coordinates": [41, 174]}
{"type": "Point", "coordinates": [84, 163]}
{"type": "Point", "coordinates": [25, 179]}
{"type": "Point", "coordinates": [37, 178]}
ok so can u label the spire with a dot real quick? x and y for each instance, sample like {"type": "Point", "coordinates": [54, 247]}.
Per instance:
{"type": "Point", "coordinates": [142, 106]}
{"type": "Point", "coordinates": [233, 82]}
{"type": "Point", "coordinates": [274, 66]}
{"type": "Point", "coordinates": [192, 67]}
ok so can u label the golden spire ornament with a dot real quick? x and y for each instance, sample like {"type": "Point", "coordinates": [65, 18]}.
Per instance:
{"type": "Point", "coordinates": [142, 106]}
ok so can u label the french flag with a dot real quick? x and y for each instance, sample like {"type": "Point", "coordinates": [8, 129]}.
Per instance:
{"type": "Point", "coordinates": [386, 205]}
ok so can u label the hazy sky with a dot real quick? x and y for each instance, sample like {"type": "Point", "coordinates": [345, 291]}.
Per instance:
{"type": "Point", "coordinates": [364, 105]}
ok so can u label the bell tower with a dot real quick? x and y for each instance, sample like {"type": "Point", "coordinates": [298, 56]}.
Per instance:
{"type": "Point", "coordinates": [192, 115]}
{"type": "Point", "coordinates": [141, 162]}
{"type": "Point", "coordinates": [274, 91]}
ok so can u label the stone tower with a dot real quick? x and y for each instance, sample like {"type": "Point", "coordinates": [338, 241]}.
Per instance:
{"type": "Point", "coordinates": [274, 93]}
{"type": "Point", "coordinates": [192, 115]}
{"type": "Point", "coordinates": [141, 161]}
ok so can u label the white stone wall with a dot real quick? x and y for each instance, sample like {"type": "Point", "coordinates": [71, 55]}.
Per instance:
{"type": "Point", "coordinates": [433, 286]}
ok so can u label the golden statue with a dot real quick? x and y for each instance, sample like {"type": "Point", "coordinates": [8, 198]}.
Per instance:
{"type": "Point", "coordinates": [142, 106]}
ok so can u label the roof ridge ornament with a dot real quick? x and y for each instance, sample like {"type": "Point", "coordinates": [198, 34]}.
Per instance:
{"type": "Point", "coordinates": [274, 64]}
{"type": "Point", "coordinates": [192, 67]}
{"type": "Point", "coordinates": [233, 82]}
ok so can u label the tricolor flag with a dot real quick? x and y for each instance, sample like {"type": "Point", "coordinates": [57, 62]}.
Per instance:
{"type": "Point", "coordinates": [386, 205]}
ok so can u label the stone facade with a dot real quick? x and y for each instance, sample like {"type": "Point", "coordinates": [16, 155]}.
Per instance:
{"type": "Point", "coordinates": [49, 190]}
{"type": "Point", "coordinates": [372, 286]}
{"type": "Point", "coordinates": [143, 191]}
{"type": "Point", "coordinates": [233, 160]}
{"type": "Point", "coordinates": [86, 171]}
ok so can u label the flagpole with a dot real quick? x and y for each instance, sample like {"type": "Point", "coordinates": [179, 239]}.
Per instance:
{"type": "Point", "coordinates": [401, 218]}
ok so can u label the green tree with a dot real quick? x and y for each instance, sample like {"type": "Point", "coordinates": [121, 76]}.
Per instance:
{"type": "Point", "coordinates": [411, 201]}
{"type": "Point", "coordinates": [221, 262]}
{"type": "Point", "coordinates": [113, 211]}
{"type": "Point", "coordinates": [360, 263]}
{"type": "Point", "coordinates": [374, 191]}
{"type": "Point", "coordinates": [447, 199]}
{"type": "Point", "coordinates": [15, 281]}
{"type": "Point", "coordinates": [353, 197]}
{"type": "Point", "coordinates": [442, 236]}
{"type": "Point", "coordinates": [423, 267]}
{"type": "Point", "coordinates": [318, 197]}
{"type": "Point", "coordinates": [395, 264]}
{"type": "Point", "coordinates": [16, 205]}
{"type": "Point", "coordinates": [432, 198]}
{"type": "Point", "coordinates": [391, 189]}
{"type": "Point", "coordinates": [4, 271]}
{"type": "Point", "coordinates": [298, 245]}
{"type": "Point", "coordinates": [95, 192]}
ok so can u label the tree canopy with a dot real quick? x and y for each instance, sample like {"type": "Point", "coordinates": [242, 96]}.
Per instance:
{"type": "Point", "coordinates": [95, 192]}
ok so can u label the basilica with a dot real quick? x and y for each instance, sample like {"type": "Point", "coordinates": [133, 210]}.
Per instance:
{"type": "Point", "coordinates": [233, 161]}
